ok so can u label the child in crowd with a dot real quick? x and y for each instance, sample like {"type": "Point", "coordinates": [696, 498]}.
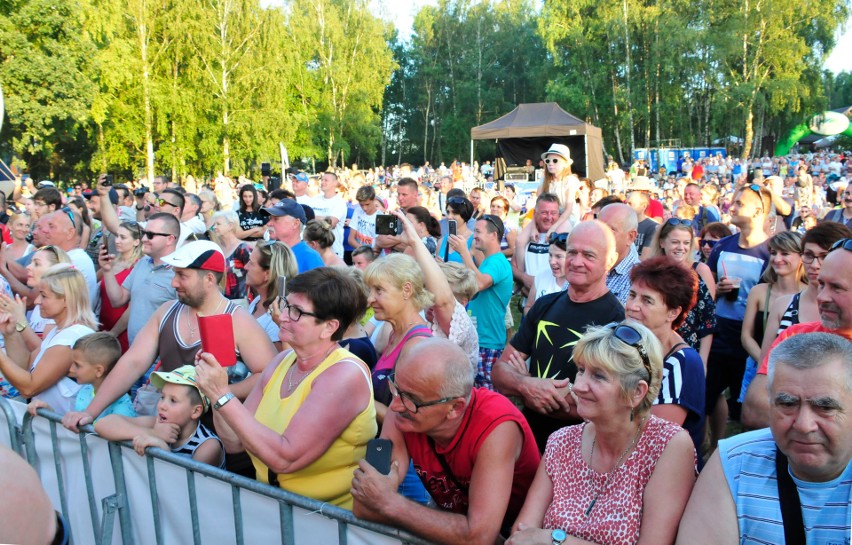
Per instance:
{"type": "Point", "coordinates": [92, 358]}
{"type": "Point", "coordinates": [176, 427]}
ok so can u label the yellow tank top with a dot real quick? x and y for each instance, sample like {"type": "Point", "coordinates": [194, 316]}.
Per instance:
{"type": "Point", "coordinates": [329, 478]}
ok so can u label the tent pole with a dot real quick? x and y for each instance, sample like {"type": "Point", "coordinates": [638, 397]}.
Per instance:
{"type": "Point", "coordinates": [586, 147]}
{"type": "Point", "coordinates": [471, 155]}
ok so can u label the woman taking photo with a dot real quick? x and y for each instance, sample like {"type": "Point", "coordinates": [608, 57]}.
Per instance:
{"type": "Point", "coordinates": [307, 421]}
{"type": "Point", "coordinates": [662, 291]}
{"type": "Point", "coordinates": [552, 279]}
{"type": "Point", "coordinates": [251, 220]}
{"type": "Point", "coordinates": [268, 262]}
{"type": "Point", "coordinates": [19, 228]}
{"type": "Point", "coordinates": [624, 476]}
{"type": "Point", "coordinates": [128, 244]}
{"type": "Point", "coordinates": [225, 227]}
{"type": "Point", "coordinates": [676, 239]}
{"type": "Point", "coordinates": [40, 372]}
{"type": "Point", "coordinates": [459, 210]}
{"type": "Point", "coordinates": [319, 235]}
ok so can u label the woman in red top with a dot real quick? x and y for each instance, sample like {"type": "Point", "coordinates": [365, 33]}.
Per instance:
{"type": "Point", "coordinates": [128, 244]}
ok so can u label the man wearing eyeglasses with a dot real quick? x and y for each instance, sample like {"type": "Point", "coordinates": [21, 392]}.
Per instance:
{"type": "Point", "coordinates": [737, 262]}
{"type": "Point", "coordinates": [471, 447]}
{"type": "Point", "coordinates": [835, 316]}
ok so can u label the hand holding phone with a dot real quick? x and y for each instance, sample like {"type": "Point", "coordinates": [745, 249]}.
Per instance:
{"type": "Point", "coordinates": [379, 454]}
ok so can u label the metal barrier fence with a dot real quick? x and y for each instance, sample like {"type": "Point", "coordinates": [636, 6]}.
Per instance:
{"type": "Point", "coordinates": [108, 497]}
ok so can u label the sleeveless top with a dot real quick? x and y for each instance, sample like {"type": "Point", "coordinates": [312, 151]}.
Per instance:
{"type": "Point", "coordinates": [616, 517]}
{"type": "Point", "coordinates": [199, 436]}
{"type": "Point", "coordinates": [387, 362]}
{"type": "Point", "coordinates": [329, 477]}
{"type": "Point", "coordinates": [748, 462]}
{"type": "Point", "coordinates": [173, 351]}
{"type": "Point", "coordinates": [791, 315]}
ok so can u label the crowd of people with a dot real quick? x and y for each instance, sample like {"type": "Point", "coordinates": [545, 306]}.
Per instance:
{"type": "Point", "coordinates": [561, 366]}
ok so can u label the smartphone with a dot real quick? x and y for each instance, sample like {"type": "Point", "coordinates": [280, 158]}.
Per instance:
{"type": "Point", "coordinates": [379, 454]}
{"type": "Point", "coordinates": [388, 224]}
{"type": "Point", "coordinates": [110, 244]}
{"type": "Point", "coordinates": [282, 287]}
{"type": "Point", "coordinates": [451, 227]}
{"type": "Point", "coordinates": [107, 179]}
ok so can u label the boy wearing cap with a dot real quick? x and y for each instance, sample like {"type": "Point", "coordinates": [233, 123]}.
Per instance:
{"type": "Point", "coordinates": [176, 427]}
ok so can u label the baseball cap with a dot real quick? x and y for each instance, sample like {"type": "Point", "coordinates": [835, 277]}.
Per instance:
{"type": "Point", "coordinates": [113, 194]}
{"type": "Point", "coordinates": [300, 176]}
{"type": "Point", "coordinates": [184, 375]}
{"type": "Point", "coordinates": [200, 254]}
{"type": "Point", "coordinates": [286, 207]}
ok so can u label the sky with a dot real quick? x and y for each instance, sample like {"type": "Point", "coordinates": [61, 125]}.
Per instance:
{"type": "Point", "coordinates": [401, 13]}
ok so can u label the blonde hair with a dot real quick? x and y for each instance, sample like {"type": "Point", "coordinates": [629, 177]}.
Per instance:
{"type": "Point", "coordinates": [462, 280]}
{"type": "Point", "coordinates": [277, 258]}
{"type": "Point", "coordinates": [398, 270]}
{"type": "Point", "coordinates": [601, 348]}
{"type": "Point", "coordinates": [67, 282]}
{"type": "Point", "coordinates": [662, 233]}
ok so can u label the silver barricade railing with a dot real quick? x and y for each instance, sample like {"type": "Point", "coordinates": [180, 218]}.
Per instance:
{"type": "Point", "coordinates": [15, 439]}
{"type": "Point", "coordinates": [151, 506]}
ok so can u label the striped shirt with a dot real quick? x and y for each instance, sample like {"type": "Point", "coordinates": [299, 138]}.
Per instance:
{"type": "Point", "coordinates": [748, 461]}
{"type": "Point", "coordinates": [200, 436]}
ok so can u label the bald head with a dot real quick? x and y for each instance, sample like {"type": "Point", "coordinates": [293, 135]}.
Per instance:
{"type": "Point", "coordinates": [27, 515]}
{"type": "Point", "coordinates": [440, 364]}
{"type": "Point", "coordinates": [624, 224]}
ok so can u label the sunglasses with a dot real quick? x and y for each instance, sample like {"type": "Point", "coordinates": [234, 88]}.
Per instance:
{"type": "Point", "coordinates": [490, 219]}
{"type": "Point", "coordinates": [456, 200]}
{"type": "Point", "coordinates": [163, 202]}
{"type": "Point", "coordinates": [151, 234]}
{"type": "Point", "coordinates": [558, 238]}
{"type": "Point", "coordinates": [845, 243]}
{"type": "Point", "coordinates": [709, 243]}
{"type": "Point", "coordinates": [631, 337]}
{"type": "Point", "coordinates": [548, 161]}
{"type": "Point", "coordinates": [677, 221]}
{"type": "Point", "coordinates": [70, 213]}
{"type": "Point", "coordinates": [756, 188]}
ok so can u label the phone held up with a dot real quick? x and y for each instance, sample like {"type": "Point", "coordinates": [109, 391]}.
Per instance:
{"type": "Point", "coordinates": [388, 224]}
{"type": "Point", "coordinates": [451, 227]}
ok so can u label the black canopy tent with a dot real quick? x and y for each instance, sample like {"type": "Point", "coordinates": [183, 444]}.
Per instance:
{"type": "Point", "coordinates": [528, 131]}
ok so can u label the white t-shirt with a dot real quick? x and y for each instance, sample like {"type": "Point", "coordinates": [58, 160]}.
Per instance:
{"type": "Point", "coordinates": [265, 321]}
{"type": "Point", "coordinates": [545, 284]}
{"type": "Point", "coordinates": [364, 224]}
{"type": "Point", "coordinates": [334, 207]}
{"type": "Point", "coordinates": [61, 395]}
{"type": "Point", "coordinates": [83, 263]}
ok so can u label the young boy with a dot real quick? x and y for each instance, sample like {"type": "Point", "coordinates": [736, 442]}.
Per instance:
{"type": "Point", "coordinates": [92, 358]}
{"type": "Point", "coordinates": [176, 427]}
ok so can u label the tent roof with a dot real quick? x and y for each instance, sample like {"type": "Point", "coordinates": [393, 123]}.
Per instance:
{"type": "Point", "coordinates": [532, 120]}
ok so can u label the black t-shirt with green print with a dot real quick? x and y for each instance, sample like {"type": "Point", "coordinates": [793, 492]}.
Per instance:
{"type": "Point", "coordinates": [549, 333]}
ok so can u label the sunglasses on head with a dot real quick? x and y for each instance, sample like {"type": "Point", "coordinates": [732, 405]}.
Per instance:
{"type": "Point", "coordinates": [845, 243]}
{"type": "Point", "coordinates": [631, 337]}
{"type": "Point", "coordinates": [756, 188]}
{"type": "Point", "coordinates": [558, 238]}
{"type": "Point", "coordinates": [678, 221]}
{"type": "Point", "coordinates": [70, 213]}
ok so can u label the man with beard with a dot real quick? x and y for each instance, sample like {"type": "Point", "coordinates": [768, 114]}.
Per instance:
{"type": "Point", "coordinates": [172, 333]}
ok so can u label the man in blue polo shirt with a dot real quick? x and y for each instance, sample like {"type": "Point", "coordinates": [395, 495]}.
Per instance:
{"type": "Point", "coordinates": [286, 219]}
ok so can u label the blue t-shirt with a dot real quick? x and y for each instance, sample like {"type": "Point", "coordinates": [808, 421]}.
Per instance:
{"type": "Point", "coordinates": [454, 256]}
{"type": "Point", "coordinates": [122, 405]}
{"type": "Point", "coordinates": [489, 306]}
{"type": "Point", "coordinates": [306, 257]}
{"type": "Point", "coordinates": [683, 385]}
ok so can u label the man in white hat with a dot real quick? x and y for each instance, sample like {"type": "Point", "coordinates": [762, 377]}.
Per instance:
{"type": "Point", "coordinates": [172, 334]}
{"type": "Point", "coordinates": [655, 207]}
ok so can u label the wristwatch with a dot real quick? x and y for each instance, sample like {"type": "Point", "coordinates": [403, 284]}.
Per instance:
{"type": "Point", "coordinates": [222, 400]}
{"type": "Point", "coordinates": [557, 537]}
{"type": "Point", "coordinates": [20, 326]}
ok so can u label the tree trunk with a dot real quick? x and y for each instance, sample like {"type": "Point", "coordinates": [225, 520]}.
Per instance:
{"type": "Point", "coordinates": [146, 94]}
{"type": "Point", "coordinates": [749, 130]}
{"type": "Point", "coordinates": [627, 66]}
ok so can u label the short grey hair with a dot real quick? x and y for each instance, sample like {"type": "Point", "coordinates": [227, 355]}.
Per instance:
{"type": "Point", "coordinates": [809, 351]}
{"type": "Point", "coordinates": [228, 215]}
{"type": "Point", "coordinates": [458, 375]}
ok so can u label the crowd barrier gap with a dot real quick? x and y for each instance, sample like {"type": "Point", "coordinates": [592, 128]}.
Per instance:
{"type": "Point", "coordinates": [110, 495]}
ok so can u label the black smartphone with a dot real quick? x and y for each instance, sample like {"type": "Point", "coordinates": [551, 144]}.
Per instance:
{"type": "Point", "coordinates": [110, 244]}
{"type": "Point", "coordinates": [388, 224]}
{"type": "Point", "coordinates": [107, 179]}
{"type": "Point", "coordinates": [282, 287]}
{"type": "Point", "coordinates": [379, 454]}
{"type": "Point", "coordinates": [451, 227]}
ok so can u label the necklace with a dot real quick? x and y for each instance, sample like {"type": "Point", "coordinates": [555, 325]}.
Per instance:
{"type": "Point", "coordinates": [602, 488]}
{"type": "Point", "coordinates": [194, 330]}
{"type": "Point", "coordinates": [295, 367]}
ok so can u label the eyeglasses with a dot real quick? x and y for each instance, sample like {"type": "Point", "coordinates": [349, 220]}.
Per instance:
{"type": "Point", "coordinates": [295, 313]}
{"type": "Point", "coordinates": [845, 243]}
{"type": "Point", "coordinates": [629, 336]}
{"type": "Point", "coordinates": [810, 257]}
{"type": "Point", "coordinates": [677, 221]}
{"type": "Point", "coordinates": [410, 404]}
{"type": "Point", "coordinates": [70, 213]}
{"type": "Point", "coordinates": [756, 189]}
{"type": "Point", "coordinates": [558, 238]}
{"type": "Point", "coordinates": [548, 161]}
{"type": "Point", "coordinates": [151, 234]}
{"type": "Point", "coordinates": [162, 202]}
{"type": "Point", "coordinates": [708, 243]}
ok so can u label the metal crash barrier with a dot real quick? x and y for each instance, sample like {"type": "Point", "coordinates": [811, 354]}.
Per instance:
{"type": "Point", "coordinates": [109, 494]}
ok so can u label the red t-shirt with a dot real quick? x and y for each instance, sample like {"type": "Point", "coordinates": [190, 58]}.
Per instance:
{"type": "Point", "coordinates": [655, 209]}
{"type": "Point", "coordinates": [486, 411]}
{"type": "Point", "coordinates": [810, 327]}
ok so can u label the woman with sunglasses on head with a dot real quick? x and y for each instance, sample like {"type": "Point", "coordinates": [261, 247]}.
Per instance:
{"type": "Point", "coordinates": [709, 236]}
{"type": "Point", "coordinates": [226, 223]}
{"type": "Point", "coordinates": [551, 279]}
{"type": "Point", "coordinates": [38, 370]}
{"type": "Point", "coordinates": [268, 262]}
{"type": "Point", "coordinates": [662, 292]}
{"type": "Point", "coordinates": [623, 476]}
{"type": "Point", "coordinates": [128, 244]}
{"type": "Point", "coordinates": [459, 210]}
{"type": "Point", "coordinates": [307, 421]}
{"type": "Point", "coordinates": [676, 239]}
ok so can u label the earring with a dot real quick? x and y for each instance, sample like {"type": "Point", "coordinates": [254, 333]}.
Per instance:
{"type": "Point", "coordinates": [632, 413]}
